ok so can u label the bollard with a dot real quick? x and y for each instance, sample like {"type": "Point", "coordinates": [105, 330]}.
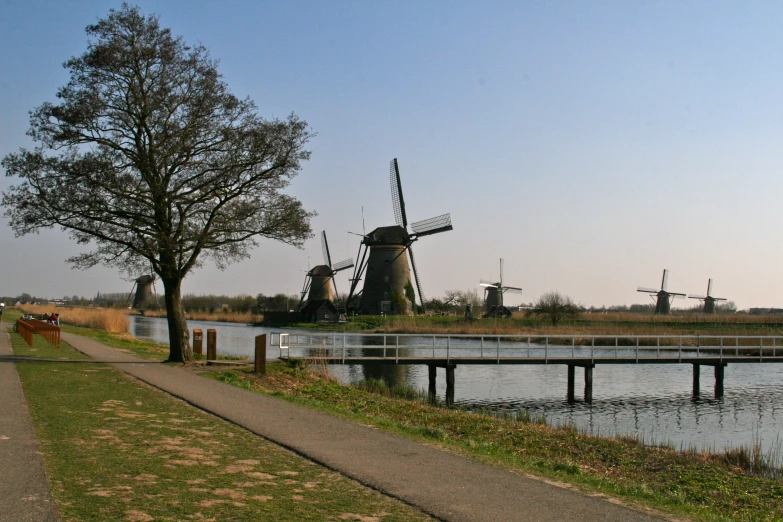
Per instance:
{"type": "Point", "coordinates": [211, 344]}
{"type": "Point", "coordinates": [260, 364]}
{"type": "Point", "coordinates": [198, 340]}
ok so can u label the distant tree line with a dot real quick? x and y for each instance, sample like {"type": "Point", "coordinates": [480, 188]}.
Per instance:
{"type": "Point", "coordinates": [453, 301]}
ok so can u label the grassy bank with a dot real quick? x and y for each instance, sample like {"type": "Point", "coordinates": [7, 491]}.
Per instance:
{"type": "Point", "coordinates": [115, 449]}
{"type": "Point", "coordinates": [701, 485]}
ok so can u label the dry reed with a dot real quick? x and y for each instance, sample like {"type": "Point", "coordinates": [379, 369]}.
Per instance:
{"type": "Point", "coordinates": [221, 317]}
{"type": "Point", "coordinates": [591, 324]}
{"type": "Point", "coordinates": [107, 319]}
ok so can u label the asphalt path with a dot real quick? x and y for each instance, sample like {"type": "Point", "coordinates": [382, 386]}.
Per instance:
{"type": "Point", "coordinates": [447, 486]}
{"type": "Point", "coordinates": [24, 489]}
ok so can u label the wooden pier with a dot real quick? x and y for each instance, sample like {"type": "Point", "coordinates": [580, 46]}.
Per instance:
{"type": "Point", "coordinates": [572, 351]}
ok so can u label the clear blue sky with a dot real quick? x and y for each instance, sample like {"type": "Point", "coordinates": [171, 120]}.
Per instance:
{"type": "Point", "coordinates": [590, 144]}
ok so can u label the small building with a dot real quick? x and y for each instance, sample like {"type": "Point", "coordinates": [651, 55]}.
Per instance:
{"type": "Point", "coordinates": [320, 311]}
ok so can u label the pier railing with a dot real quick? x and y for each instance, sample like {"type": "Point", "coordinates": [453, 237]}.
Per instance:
{"type": "Point", "coordinates": [354, 347]}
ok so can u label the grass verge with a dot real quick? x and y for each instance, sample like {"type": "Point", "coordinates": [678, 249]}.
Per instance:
{"type": "Point", "coordinates": [701, 485]}
{"type": "Point", "coordinates": [115, 449]}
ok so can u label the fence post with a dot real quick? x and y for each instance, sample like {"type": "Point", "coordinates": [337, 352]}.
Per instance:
{"type": "Point", "coordinates": [211, 344]}
{"type": "Point", "coordinates": [260, 363]}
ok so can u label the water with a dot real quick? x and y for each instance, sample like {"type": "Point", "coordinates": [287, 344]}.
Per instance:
{"type": "Point", "coordinates": [652, 401]}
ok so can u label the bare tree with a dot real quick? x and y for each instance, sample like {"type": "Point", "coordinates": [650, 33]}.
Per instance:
{"type": "Point", "coordinates": [555, 306]}
{"type": "Point", "coordinates": [151, 160]}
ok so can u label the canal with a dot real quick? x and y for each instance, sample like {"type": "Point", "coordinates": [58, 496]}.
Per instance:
{"type": "Point", "coordinates": [651, 401]}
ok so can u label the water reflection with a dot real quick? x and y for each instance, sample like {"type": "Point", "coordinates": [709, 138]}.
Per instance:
{"type": "Point", "coordinates": [651, 401]}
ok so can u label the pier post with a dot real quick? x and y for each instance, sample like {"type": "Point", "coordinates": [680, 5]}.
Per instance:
{"type": "Point", "coordinates": [211, 344]}
{"type": "Point", "coordinates": [589, 383]}
{"type": "Point", "coordinates": [719, 373]}
{"type": "Point", "coordinates": [260, 362]}
{"type": "Point", "coordinates": [433, 371]}
{"type": "Point", "coordinates": [570, 391]}
{"type": "Point", "coordinates": [198, 341]}
{"type": "Point", "coordinates": [696, 377]}
{"type": "Point", "coordinates": [450, 384]}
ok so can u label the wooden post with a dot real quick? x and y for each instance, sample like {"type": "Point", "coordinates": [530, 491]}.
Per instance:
{"type": "Point", "coordinates": [433, 374]}
{"type": "Point", "coordinates": [260, 364]}
{"type": "Point", "coordinates": [570, 391]}
{"type": "Point", "coordinates": [696, 377]}
{"type": "Point", "coordinates": [588, 383]}
{"type": "Point", "coordinates": [211, 344]}
{"type": "Point", "coordinates": [719, 380]}
{"type": "Point", "coordinates": [198, 341]}
{"type": "Point", "coordinates": [450, 384]}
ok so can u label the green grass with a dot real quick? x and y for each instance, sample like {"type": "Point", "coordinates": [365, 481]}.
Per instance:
{"type": "Point", "coordinates": [115, 449]}
{"type": "Point", "coordinates": [703, 486]}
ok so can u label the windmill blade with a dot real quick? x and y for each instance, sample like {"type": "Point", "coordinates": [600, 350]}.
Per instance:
{"type": "Point", "coordinates": [700, 297]}
{"type": "Point", "coordinates": [416, 277]}
{"type": "Point", "coordinates": [718, 298]}
{"type": "Point", "coordinates": [648, 290]}
{"type": "Point", "coordinates": [131, 292]}
{"type": "Point", "coordinates": [358, 271]}
{"type": "Point", "coordinates": [488, 285]}
{"type": "Point", "coordinates": [305, 288]}
{"type": "Point", "coordinates": [325, 249]}
{"type": "Point", "coordinates": [709, 287]}
{"type": "Point", "coordinates": [501, 271]}
{"type": "Point", "coordinates": [665, 279]}
{"type": "Point", "coordinates": [484, 282]}
{"type": "Point", "coordinates": [677, 295]}
{"type": "Point", "coordinates": [511, 290]}
{"type": "Point", "coordinates": [342, 265]}
{"type": "Point", "coordinates": [396, 192]}
{"type": "Point", "coordinates": [435, 225]}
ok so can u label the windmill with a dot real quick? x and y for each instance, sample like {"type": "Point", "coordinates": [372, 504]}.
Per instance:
{"type": "Point", "coordinates": [319, 282]}
{"type": "Point", "coordinates": [383, 255]}
{"type": "Point", "coordinates": [145, 291]}
{"type": "Point", "coordinates": [493, 296]}
{"type": "Point", "coordinates": [709, 301]}
{"type": "Point", "coordinates": [663, 296]}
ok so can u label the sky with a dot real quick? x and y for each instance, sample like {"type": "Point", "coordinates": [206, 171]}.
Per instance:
{"type": "Point", "coordinates": [589, 144]}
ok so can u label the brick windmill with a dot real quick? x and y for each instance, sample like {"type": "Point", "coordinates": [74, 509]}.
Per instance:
{"type": "Point", "coordinates": [319, 285]}
{"type": "Point", "coordinates": [493, 296]}
{"type": "Point", "coordinates": [663, 297]}
{"type": "Point", "coordinates": [383, 255]}
{"type": "Point", "coordinates": [709, 301]}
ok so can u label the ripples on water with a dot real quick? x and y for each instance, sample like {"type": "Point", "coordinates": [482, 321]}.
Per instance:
{"type": "Point", "coordinates": [651, 401]}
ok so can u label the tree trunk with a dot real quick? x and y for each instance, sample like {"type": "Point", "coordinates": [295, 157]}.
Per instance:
{"type": "Point", "coordinates": [179, 335]}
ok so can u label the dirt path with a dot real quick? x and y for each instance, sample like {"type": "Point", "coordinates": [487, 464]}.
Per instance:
{"type": "Point", "coordinates": [447, 486]}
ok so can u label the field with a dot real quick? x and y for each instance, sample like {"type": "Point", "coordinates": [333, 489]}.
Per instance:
{"type": "Point", "coordinates": [116, 449]}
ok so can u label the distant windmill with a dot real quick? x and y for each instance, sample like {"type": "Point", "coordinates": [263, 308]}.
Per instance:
{"type": "Point", "coordinates": [493, 296]}
{"type": "Point", "coordinates": [145, 291]}
{"type": "Point", "coordinates": [709, 301]}
{"type": "Point", "coordinates": [663, 296]}
{"type": "Point", "coordinates": [387, 286]}
{"type": "Point", "coordinates": [319, 280]}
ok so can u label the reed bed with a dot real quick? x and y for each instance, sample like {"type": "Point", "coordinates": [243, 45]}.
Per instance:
{"type": "Point", "coordinates": [107, 319]}
{"type": "Point", "coordinates": [221, 317]}
{"type": "Point", "coordinates": [628, 325]}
